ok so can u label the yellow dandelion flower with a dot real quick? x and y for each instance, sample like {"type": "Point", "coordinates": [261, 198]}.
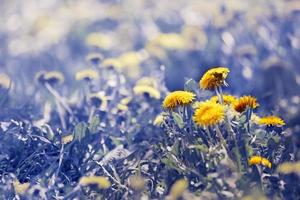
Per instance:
{"type": "Point", "coordinates": [131, 59]}
{"type": "Point", "coordinates": [144, 89]}
{"type": "Point", "coordinates": [258, 160]}
{"type": "Point", "coordinates": [150, 81]}
{"type": "Point", "coordinates": [111, 62]}
{"type": "Point", "coordinates": [271, 121]}
{"type": "Point", "coordinates": [51, 77]}
{"type": "Point", "coordinates": [170, 41]}
{"type": "Point", "coordinates": [208, 113]}
{"type": "Point", "coordinates": [100, 40]}
{"type": "Point", "coordinates": [94, 57]}
{"type": "Point", "coordinates": [213, 78]}
{"type": "Point", "coordinates": [5, 81]}
{"type": "Point", "coordinates": [101, 181]}
{"type": "Point", "coordinates": [67, 139]}
{"type": "Point", "coordinates": [137, 182]}
{"type": "Point", "coordinates": [98, 100]}
{"type": "Point", "coordinates": [178, 188]}
{"type": "Point", "coordinates": [20, 188]}
{"type": "Point", "coordinates": [178, 98]}
{"type": "Point", "coordinates": [126, 100]}
{"type": "Point", "coordinates": [86, 74]}
{"type": "Point", "coordinates": [245, 101]}
{"type": "Point", "coordinates": [122, 107]}
{"type": "Point", "coordinates": [228, 99]}
{"type": "Point", "coordinates": [159, 119]}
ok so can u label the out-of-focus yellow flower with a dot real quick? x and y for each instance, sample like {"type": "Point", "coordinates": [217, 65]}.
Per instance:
{"type": "Point", "coordinates": [170, 41]}
{"type": "Point", "coordinates": [258, 160]}
{"type": "Point", "coordinates": [178, 98]}
{"type": "Point", "coordinates": [94, 57]}
{"type": "Point", "coordinates": [149, 81]}
{"type": "Point", "coordinates": [99, 40]}
{"type": "Point", "coordinates": [20, 188]}
{"type": "Point", "coordinates": [208, 113]}
{"type": "Point", "coordinates": [228, 99]}
{"type": "Point", "coordinates": [98, 100]}
{"type": "Point", "coordinates": [156, 50]}
{"type": "Point", "coordinates": [5, 81]}
{"type": "Point", "coordinates": [289, 167]}
{"type": "Point", "coordinates": [271, 121]}
{"type": "Point", "coordinates": [159, 119]}
{"type": "Point", "coordinates": [126, 100]}
{"type": "Point", "coordinates": [101, 181]}
{"type": "Point", "coordinates": [178, 189]}
{"type": "Point", "coordinates": [144, 89]}
{"type": "Point", "coordinates": [86, 74]}
{"type": "Point", "coordinates": [213, 78]}
{"type": "Point", "coordinates": [67, 139]}
{"type": "Point", "coordinates": [51, 77]}
{"type": "Point", "coordinates": [111, 62]}
{"type": "Point", "coordinates": [122, 107]}
{"type": "Point", "coordinates": [245, 101]}
{"type": "Point", "coordinates": [137, 182]}
{"type": "Point", "coordinates": [129, 59]}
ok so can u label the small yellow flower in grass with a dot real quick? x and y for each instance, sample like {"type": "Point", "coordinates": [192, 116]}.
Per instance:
{"type": "Point", "coordinates": [111, 62]}
{"type": "Point", "coordinates": [213, 78]}
{"type": "Point", "coordinates": [67, 139]}
{"type": "Point", "coordinates": [20, 188]}
{"type": "Point", "coordinates": [289, 167]}
{"type": "Point", "coordinates": [5, 81]}
{"type": "Point", "coordinates": [144, 89]}
{"type": "Point", "coordinates": [178, 189]}
{"type": "Point", "coordinates": [178, 98]}
{"type": "Point", "coordinates": [271, 121]}
{"type": "Point", "coordinates": [228, 99]}
{"type": "Point", "coordinates": [170, 41]}
{"type": "Point", "coordinates": [208, 113]}
{"type": "Point", "coordinates": [51, 77]}
{"type": "Point", "coordinates": [258, 160]}
{"type": "Point", "coordinates": [101, 181]}
{"type": "Point", "coordinates": [87, 75]}
{"type": "Point", "coordinates": [98, 100]}
{"type": "Point", "coordinates": [100, 40]}
{"type": "Point", "coordinates": [150, 81]}
{"type": "Point", "coordinates": [94, 57]}
{"type": "Point", "coordinates": [245, 101]}
{"type": "Point", "coordinates": [159, 119]}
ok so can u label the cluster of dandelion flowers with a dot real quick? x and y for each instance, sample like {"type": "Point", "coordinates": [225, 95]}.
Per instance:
{"type": "Point", "coordinates": [245, 101]}
{"type": "Point", "coordinates": [178, 98]}
{"type": "Point", "coordinates": [258, 160]}
{"type": "Point", "coordinates": [209, 113]}
{"type": "Point", "coordinates": [271, 121]}
{"type": "Point", "coordinates": [213, 78]}
{"type": "Point", "coordinates": [228, 99]}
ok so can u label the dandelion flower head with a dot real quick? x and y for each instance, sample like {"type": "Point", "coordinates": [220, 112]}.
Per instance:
{"type": "Point", "coordinates": [245, 101]}
{"type": "Point", "coordinates": [271, 121]}
{"type": "Point", "coordinates": [100, 181]}
{"type": "Point", "coordinates": [209, 113]}
{"type": "Point", "coordinates": [148, 90]}
{"type": "Point", "coordinates": [213, 78]}
{"type": "Point", "coordinates": [258, 160]}
{"type": "Point", "coordinates": [228, 99]}
{"type": "Point", "coordinates": [178, 98]}
{"type": "Point", "coordinates": [86, 74]}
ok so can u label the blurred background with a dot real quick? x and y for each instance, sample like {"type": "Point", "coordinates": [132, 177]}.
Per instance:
{"type": "Point", "coordinates": [258, 40]}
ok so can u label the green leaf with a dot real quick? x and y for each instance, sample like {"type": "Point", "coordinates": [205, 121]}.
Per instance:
{"type": "Point", "coordinates": [94, 124]}
{"type": "Point", "coordinates": [178, 119]}
{"type": "Point", "coordinates": [80, 131]}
